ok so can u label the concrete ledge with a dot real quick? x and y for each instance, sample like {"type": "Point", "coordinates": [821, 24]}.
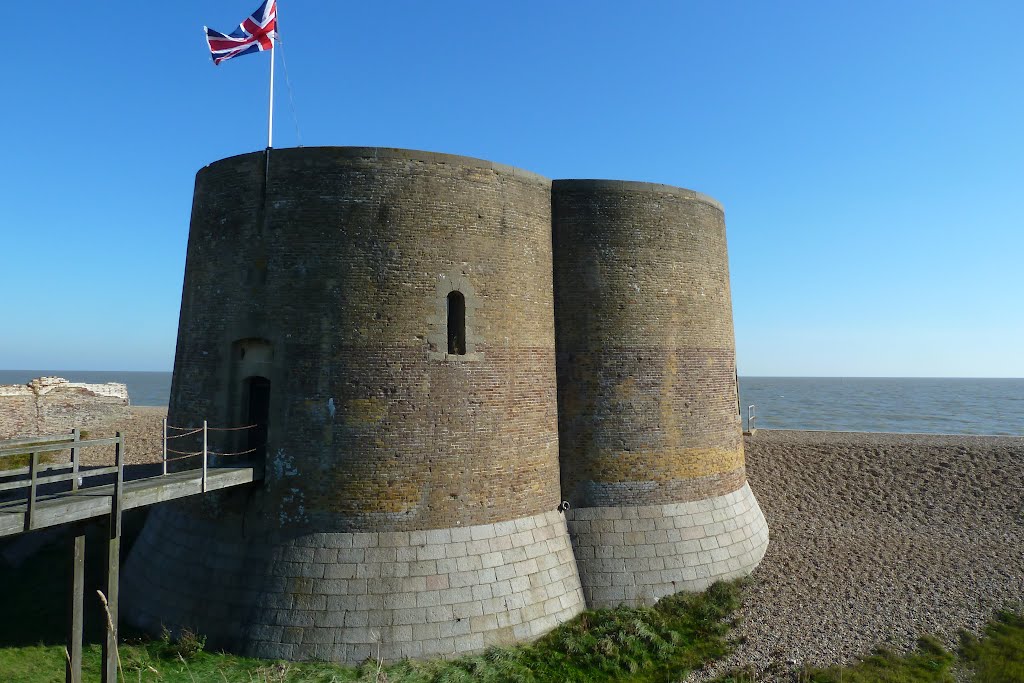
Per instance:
{"type": "Point", "coordinates": [637, 554]}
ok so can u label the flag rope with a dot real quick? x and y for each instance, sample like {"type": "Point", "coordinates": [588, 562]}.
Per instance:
{"type": "Point", "coordinates": [291, 95]}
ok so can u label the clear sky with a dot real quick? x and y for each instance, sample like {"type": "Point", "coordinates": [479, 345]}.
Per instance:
{"type": "Point", "coordinates": [870, 155]}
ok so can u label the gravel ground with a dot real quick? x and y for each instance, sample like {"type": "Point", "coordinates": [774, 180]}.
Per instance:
{"type": "Point", "coordinates": [875, 540]}
{"type": "Point", "coordinates": [142, 434]}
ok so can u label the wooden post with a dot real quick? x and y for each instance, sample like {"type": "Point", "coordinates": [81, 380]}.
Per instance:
{"type": "Point", "coordinates": [74, 458]}
{"type": "Point", "coordinates": [165, 445]}
{"type": "Point", "coordinates": [204, 455]}
{"type": "Point", "coordinates": [33, 474]}
{"type": "Point", "coordinates": [113, 566]}
{"type": "Point", "coordinates": [76, 589]}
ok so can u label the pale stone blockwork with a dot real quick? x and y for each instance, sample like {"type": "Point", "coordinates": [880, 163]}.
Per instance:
{"type": "Point", "coordinates": [348, 596]}
{"type": "Point", "coordinates": [637, 554]}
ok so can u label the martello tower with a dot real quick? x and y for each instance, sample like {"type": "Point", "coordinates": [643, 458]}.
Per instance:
{"type": "Point", "coordinates": [388, 318]}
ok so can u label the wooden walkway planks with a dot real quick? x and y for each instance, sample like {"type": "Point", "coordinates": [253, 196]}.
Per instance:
{"type": "Point", "coordinates": [95, 501]}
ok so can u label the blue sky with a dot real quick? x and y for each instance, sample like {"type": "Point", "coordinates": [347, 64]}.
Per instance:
{"type": "Point", "coordinates": [869, 154]}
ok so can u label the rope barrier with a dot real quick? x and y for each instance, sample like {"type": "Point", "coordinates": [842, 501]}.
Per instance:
{"type": "Point", "coordinates": [178, 436]}
{"type": "Point", "coordinates": [183, 457]}
{"type": "Point", "coordinates": [291, 95]}
{"type": "Point", "coordinates": [210, 429]}
{"type": "Point", "coordinates": [251, 450]}
{"type": "Point", "coordinates": [171, 450]}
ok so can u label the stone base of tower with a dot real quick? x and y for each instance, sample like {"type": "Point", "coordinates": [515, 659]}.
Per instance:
{"type": "Point", "coordinates": [637, 554]}
{"type": "Point", "coordinates": [346, 597]}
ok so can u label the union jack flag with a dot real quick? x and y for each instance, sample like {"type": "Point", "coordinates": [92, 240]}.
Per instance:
{"type": "Point", "coordinates": [255, 34]}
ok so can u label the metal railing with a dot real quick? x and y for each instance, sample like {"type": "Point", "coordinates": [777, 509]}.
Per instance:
{"type": "Point", "coordinates": [751, 418]}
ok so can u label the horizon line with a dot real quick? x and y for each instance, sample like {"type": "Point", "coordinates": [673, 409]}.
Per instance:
{"type": "Point", "coordinates": [32, 370]}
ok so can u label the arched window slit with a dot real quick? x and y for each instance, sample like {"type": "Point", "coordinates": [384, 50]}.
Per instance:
{"type": "Point", "coordinates": [456, 323]}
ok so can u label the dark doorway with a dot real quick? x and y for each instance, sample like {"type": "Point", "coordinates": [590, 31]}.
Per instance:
{"type": "Point", "coordinates": [456, 324]}
{"type": "Point", "coordinates": [258, 414]}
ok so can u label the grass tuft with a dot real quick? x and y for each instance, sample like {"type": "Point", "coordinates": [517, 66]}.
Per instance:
{"type": "Point", "coordinates": [658, 643]}
{"type": "Point", "coordinates": [998, 657]}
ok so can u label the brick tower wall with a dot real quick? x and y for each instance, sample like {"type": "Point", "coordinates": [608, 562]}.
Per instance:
{"type": "Point", "coordinates": [329, 275]}
{"type": "Point", "coordinates": [648, 418]}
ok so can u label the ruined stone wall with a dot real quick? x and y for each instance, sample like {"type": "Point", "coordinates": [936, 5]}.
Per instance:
{"type": "Point", "coordinates": [53, 405]}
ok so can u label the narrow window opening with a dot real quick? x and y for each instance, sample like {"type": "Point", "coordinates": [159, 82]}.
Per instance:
{"type": "Point", "coordinates": [456, 324]}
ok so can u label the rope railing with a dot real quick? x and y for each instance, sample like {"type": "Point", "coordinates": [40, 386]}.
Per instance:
{"type": "Point", "coordinates": [206, 452]}
{"type": "Point", "coordinates": [179, 436]}
{"type": "Point", "coordinates": [251, 450]}
{"type": "Point", "coordinates": [182, 455]}
{"type": "Point", "coordinates": [189, 453]}
{"type": "Point", "coordinates": [209, 429]}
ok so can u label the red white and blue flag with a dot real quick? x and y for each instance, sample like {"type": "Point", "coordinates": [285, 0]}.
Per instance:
{"type": "Point", "coordinates": [255, 34]}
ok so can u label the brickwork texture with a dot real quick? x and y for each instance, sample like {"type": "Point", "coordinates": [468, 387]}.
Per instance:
{"type": "Point", "coordinates": [413, 480]}
{"type": "Point", "coordinates": [646, 353]}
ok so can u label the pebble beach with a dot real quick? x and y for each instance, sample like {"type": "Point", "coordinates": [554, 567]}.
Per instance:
{"type": "Point", "coordinates": [877, 539]}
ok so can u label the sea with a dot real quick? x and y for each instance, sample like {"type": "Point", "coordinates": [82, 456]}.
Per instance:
{"type": "Point", "coordinates": [853, 404]}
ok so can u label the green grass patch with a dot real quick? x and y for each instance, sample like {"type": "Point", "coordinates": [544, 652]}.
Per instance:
{"type": "Point", "coordinates": [998, 657]}
{"type": "Point", "coordinates": [19, 460]}
{"type": "Point", "coordinates": [643, 644]}
{"type": "Point", "coordinates": [929, 663]}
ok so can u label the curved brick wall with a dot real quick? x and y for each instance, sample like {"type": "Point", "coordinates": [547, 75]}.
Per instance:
{"type": "Point", "coordinates": [372, 425]}
{"type": "Point", "coordinates": [334, 288]}
{"type": "Point", "coordinates": [646, 359]}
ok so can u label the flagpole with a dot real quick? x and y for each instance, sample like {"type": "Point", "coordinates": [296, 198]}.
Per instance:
{"type": "Point", "coordinates": [270, 118]}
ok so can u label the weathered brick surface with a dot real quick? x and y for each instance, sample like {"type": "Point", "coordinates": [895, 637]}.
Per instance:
{"type": "Point", "coordinates": [646, 354]}
{"type": "Point", "coordinates": [408, 506]}
{"type": "Point", "coordinates": [638, 554]}
{"type": "Point", "coordinates": [345, 272]}
{"type": "Point", "coordinates": [347, 596]}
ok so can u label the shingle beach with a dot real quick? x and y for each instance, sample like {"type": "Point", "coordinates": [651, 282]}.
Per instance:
{"type": "Point", "coordinates": [877, 539]}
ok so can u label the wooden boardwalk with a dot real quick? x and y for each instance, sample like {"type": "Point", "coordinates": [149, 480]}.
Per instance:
{"type": "Point", "coordinates": [95, 501]}
{"type": "Point", "coordinates": [30, 499]}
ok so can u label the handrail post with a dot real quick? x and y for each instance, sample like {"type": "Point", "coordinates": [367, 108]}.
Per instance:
{"type": "Point", "coordinates": [165, 446]}
{"type": "Point", "coordinates": [33, 472]}
{"type": "Point", "coordinates": [74, 458]}
{"type": "Point", "coordinates": [76, 595]}
{"type": "Point", "coordinates": [205, 432]}
{"type": "Point", "coordinates": [108, 673]}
